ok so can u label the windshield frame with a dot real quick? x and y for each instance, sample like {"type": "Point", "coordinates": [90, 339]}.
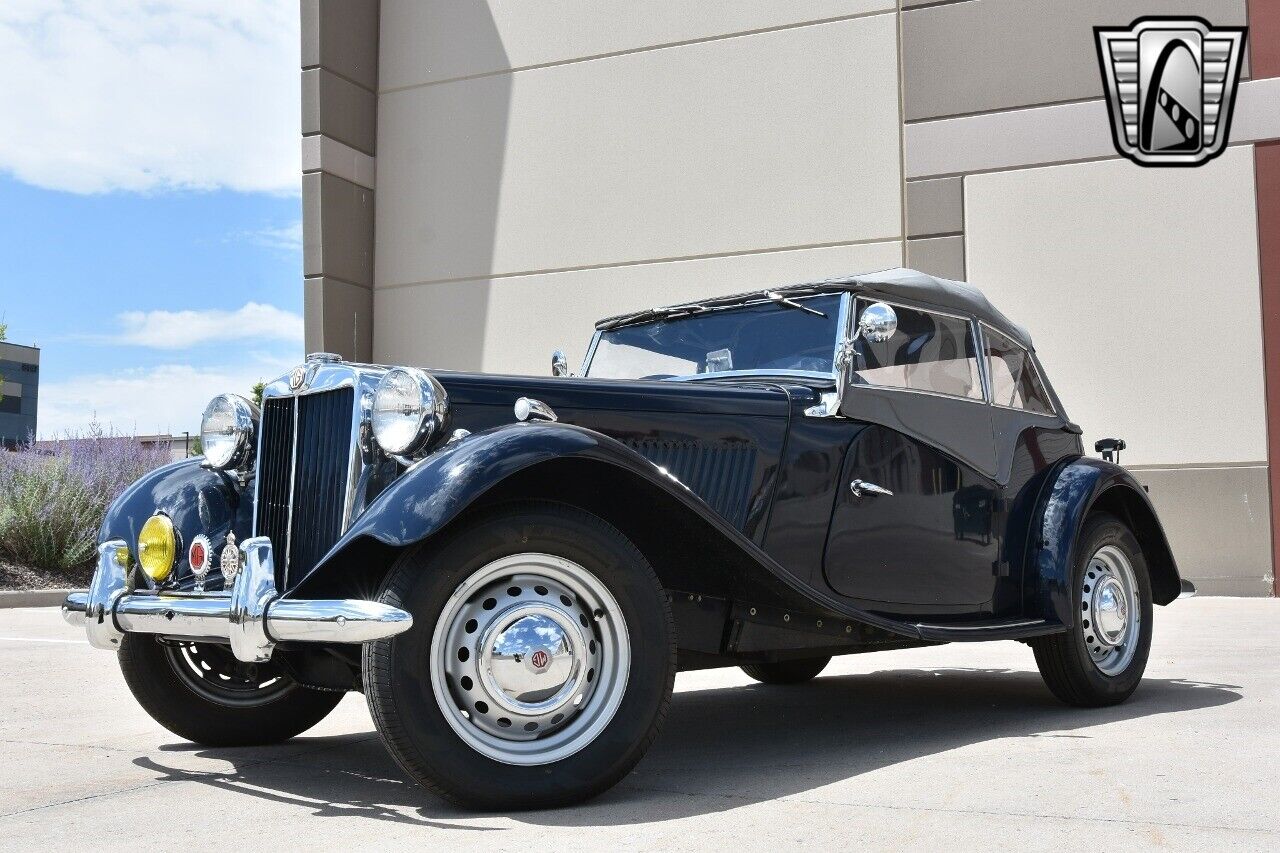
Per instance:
{"type": "Point", "coordinates": [843, 319]}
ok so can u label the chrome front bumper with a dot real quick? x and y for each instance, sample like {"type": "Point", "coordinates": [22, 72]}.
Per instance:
{"type": "Point", "coordinates": [251, 617]}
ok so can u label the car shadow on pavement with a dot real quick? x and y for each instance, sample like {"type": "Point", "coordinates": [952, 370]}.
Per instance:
{"type": "Point", "coordinates": [720, 748]}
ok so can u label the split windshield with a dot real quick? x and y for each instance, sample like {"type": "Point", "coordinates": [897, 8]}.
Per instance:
{"type": "Point", "coordinates": [773, 337]}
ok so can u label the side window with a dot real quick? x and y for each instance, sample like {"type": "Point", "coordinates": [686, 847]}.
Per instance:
{"type": "Point", "coordinates": [929, 352]}
{"type": "Point", "coordinates": [1014, 380]}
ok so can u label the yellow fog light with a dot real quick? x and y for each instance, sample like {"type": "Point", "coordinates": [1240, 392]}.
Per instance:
{"type": "Point", "coordinates": [157, 547]}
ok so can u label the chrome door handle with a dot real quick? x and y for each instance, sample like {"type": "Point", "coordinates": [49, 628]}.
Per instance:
{"type": "Point", "coordinates": [860, 487]}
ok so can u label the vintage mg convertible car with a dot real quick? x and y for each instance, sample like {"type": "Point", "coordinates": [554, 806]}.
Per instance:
{"type": "Point", "coordinates": [513, 569]}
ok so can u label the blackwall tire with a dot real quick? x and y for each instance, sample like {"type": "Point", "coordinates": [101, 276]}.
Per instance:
{"type": "Point", "coordinates": [1085, 667]}
{"type": "Point", "coordinates": [787, 671]}
{"type": "Point", "coordinates": [538, 731]}
{"type": "Point", "coordinates": [168, 683]}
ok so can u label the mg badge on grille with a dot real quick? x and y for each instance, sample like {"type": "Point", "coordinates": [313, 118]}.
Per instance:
{"type": "Point", "coordinates": [1171, 86]}
{"type": "Point", "coordinates": [297, 378]}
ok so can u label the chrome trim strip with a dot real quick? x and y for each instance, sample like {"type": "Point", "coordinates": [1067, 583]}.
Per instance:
{"type": "Point", "coordinates": [252, 618]}
{"type": "Point", "coordinates": [723, 374]}
{"type": "Point", "coordinates": [293, 483]}
{"type": "Point", "coordinates": [591, 352]}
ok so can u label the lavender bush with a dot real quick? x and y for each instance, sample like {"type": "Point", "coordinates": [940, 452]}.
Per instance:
{"type": "Point", "coordinates": [54, 494]}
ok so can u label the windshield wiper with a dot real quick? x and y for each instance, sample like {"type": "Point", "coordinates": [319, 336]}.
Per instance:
{"type": "Point", "coordinates": [774, 296]}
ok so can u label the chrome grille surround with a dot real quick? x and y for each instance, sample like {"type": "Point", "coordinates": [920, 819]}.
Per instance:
{"type": "Point", "coordinates": [319, 375]}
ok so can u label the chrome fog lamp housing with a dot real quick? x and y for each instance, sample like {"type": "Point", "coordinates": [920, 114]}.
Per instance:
{"type": "Point", "coordinates": [409, 410]}
{"type": "Point", "coordinates": [228, 431]}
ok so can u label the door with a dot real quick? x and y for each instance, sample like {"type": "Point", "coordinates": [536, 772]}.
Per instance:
{"type": "Point", "coordinates": [913, 529]}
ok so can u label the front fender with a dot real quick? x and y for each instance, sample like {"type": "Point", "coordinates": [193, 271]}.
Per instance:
{"type": "Point", "coordinates": [196, 499]}
{"type": "Point", "coordinates": [1081, 487]}
{"type": "Point", "coordinates": [436, 490]}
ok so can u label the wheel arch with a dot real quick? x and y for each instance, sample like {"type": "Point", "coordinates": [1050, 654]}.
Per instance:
{"type": "Point", "coordinates": [1081, 488]}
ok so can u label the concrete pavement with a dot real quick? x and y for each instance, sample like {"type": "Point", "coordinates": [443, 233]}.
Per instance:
{"type": "Point", "coordinates": [958, 747]}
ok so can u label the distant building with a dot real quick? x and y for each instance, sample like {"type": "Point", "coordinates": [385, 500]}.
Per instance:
{"type": "Point", "coordinates": [20, 372]}
{"type": "Point", "coordinates": [179, 445]}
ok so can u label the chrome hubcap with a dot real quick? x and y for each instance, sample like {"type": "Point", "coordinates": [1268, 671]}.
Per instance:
{"type": "Point", "coordinates": [529, 659]}
{"type": "Point", "coordinates": [1111, 614]}
{"type": "Point", "coordinates": [532, 659]}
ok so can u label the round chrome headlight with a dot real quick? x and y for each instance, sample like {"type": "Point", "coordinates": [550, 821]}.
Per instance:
{"type": "Point", "coordinates": [228, 430]}
{"type": "Point", "coordinates": [409, 411]}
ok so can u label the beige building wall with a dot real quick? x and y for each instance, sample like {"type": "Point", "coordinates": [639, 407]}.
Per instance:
{"type": "Point", "coordinates": [484, 180]}
{"type": "Point", "coordinates": [1141, 287]}
{"type": "Point", "coordinates": [535, 184]}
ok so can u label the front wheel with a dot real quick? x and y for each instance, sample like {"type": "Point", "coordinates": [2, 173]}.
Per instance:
{"type": "Point", "coordinates": [540, 664]}
{"type": "Point", "coordinates": [1102, 658]}
{"type": "Point", "coordinates": [200, 692]}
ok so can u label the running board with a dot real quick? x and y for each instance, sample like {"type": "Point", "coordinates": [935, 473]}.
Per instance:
{"type": "Point", "coordinates": [1016, 629]}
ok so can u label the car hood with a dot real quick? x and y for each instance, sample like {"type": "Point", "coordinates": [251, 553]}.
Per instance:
{"type": "Point", "coordinates": [568, 395]}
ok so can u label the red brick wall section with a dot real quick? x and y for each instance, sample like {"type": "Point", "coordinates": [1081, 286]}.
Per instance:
{"type": "Point", "coordinates": [1264, 38]}
{"type": "Point", "coordinates": [1267, 164]}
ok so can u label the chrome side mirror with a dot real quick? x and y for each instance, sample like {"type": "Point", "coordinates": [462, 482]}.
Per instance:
{"type": "Point", "coordinates": [559, 364]}
{"type": "Point", "coordinates": [878, 322]}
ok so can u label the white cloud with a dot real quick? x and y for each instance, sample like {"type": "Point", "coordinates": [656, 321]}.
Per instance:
{"type": "Point", "coordinates": [286, 238]}
{"type": "Point", "coordinates": [165, 399]}
{"type": "Point", "coordinates": [255, 322]}
{"type": "Point", "coordinates": [103, 95]}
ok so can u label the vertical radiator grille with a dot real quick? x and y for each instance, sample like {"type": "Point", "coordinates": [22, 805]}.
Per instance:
{"type": "Point", "coordinates": [312, 476]}
{"type": "Point", "coordinates": [720, 474]}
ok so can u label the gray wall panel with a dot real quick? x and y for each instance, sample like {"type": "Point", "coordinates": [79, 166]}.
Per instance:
{"type": "Point", "coordinates": [940, 256]}
{"type": "Point", "coordinates": [338, 108]}
{"type": "Point", "coordinates": [1218, 521]}
{"type": "Point", "coordinates": [337, 230]}
{"type": "Point", "coordinates": [339, 318]}
{"type": "Point", "coordinates": [342, 35]}
{"type": "Point", "coordinates": [995, 54]}
{"type": "Point", "coordinates": [935, 207]}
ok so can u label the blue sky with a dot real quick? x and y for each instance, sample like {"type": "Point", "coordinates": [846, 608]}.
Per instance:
{"type": "Point", "coordinates": [150, 205]}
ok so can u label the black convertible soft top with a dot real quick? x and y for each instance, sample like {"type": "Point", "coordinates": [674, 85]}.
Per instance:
{"type": "Point", "coordinates": [909, 285]}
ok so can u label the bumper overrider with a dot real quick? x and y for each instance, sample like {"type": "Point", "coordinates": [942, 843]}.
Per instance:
{"type": "Point", "coordinates": [251, 617]}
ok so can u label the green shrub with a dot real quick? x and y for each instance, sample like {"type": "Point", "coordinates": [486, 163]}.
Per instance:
{"type": "Point", "coordinates": [53, 497]}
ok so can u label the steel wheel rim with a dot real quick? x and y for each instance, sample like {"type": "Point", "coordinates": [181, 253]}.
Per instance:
{"type": "Point", "coordinates": [212, 673]}
{"type": "Point", "coordinates": [529, 659]}
{"type": "Point", "coordinates": [1110, 611]}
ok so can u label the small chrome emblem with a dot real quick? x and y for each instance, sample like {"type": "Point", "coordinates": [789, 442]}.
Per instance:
{"type": "Point", "coordinates": [539, 659]}
{"type": "Point", "coordinates": [297, 378]}
{"type": "Point", "coordinates": [1171, 86]}
{"type": "Point", "coordinates": [230, 561]}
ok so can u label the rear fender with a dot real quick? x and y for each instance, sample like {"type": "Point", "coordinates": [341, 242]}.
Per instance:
{"type": "Point", "coordinates": [1083, 486]}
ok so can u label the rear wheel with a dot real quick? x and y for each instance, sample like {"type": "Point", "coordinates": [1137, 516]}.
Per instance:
{"type": "Point", "coordinates": [1102, 658]}
{"type": "Point", "coordinates": [787, 671]}
{"type": "Point", "coordinates": [540, 664]}
{"type": "Point", "coordinates": [200, 692]}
